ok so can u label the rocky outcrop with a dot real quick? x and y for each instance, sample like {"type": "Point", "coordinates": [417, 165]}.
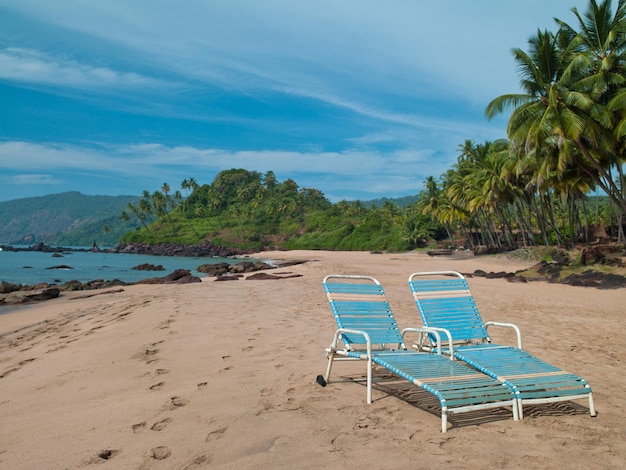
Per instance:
{"type": "Point", "coordinates": [267, 276]}
{"type": "Point", "coordinates": [8, 287]}
{"type": "Point", "coordinates": [90, 285]}
{"type": "Point", "coordinates": [16, 294]}
{"type": "Point", "coordinates": [175, 249]}
{"type": "Point", "coordinates": [596, 279]}
{"type": "Point", "coordinates": [60, 266]}
{"type": "Point", "coordinates": [163, 249]}
{"type": "Point", "coordinates": [610, 255]}
{"type": "Point", "coordinates": [148, 267]}
{"type": "Point", "coordinates": [179, 276]}
{"type": "Point", "coordinates": [39, 247]}
{"type": "Point", "coordinates": [221, 269]}
{"type": "Point", "coordinates": [213, 269]}
{"type": "Point", "coordinates": [25, 296]}
{"type": "Point", "coordinates": [552, 272]}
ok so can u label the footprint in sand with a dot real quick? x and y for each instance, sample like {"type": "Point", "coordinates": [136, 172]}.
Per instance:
{"type": "Point", "coordinates": [104, 455]}
{"type": "Point", "coordinates": [148, 353]}
{"type": "Point", "coordinates": [213, 435]}
{"type": "Point", "coordinates": [157, 386]}
{"type": "Point", "coordinates": [8, 371]}
{"type": "Point", "coordinates": [166, 324]}
{"type": "Point", "coordinates": [177, 402]}
{"type": "Point", "coordinates": [197, 461]}
{"type": "Point", "coordinates": [160, 453]}
{"type": "Point", "coordinates": [139, 426]}
{"type": "Point", "coordinates": [161, 425]}
{"type": "Point", "coordinates": [202, 385]}
{"type": "Point", "coordinates": [16, 368]}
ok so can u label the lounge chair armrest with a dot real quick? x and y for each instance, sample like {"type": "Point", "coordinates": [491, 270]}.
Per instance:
{"type": "Point", "coordinates": [514, 327]}
{"type": "Point", "coordinates": [436, 332]}
{"type": "Point", "coordinates": [340, 331]}
{"type": "Point", "coordinates": [423, 332]}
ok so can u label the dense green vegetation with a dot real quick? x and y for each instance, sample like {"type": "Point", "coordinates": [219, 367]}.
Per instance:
{"type": "Point", "coordinates": [566, 140]}
{"type": "Point", "coordinates": [69, 218]}
{"type": "Point", "coordinates": [245, 209]}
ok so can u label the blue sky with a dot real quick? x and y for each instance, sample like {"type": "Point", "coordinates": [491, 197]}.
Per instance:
{"type": "Point", "coordinates": [360, 99]}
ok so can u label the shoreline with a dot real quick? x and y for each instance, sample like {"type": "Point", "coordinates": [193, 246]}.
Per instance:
{"type": "Point", "coordinates": [217, 375]}
{"type": "Point", "coordinates": [14, 294]}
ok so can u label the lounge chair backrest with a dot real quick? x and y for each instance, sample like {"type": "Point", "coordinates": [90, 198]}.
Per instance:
{"type": "Point", "coordinates": [444, 300]}
{"type": "Point", "coordinates": [359, 303]}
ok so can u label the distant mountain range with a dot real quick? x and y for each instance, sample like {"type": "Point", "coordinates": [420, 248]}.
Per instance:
{"type": "Point", "coordinates": [64, 219]}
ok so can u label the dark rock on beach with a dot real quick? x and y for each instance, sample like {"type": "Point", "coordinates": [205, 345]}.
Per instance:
{"type": "Point", "coordinates": [16, 294]}
{"type": "Point", "coordinates": [229, 277]}
{"type": "Point", "coordinates": [8, 287]}
{"type": "Point", "coordinates": [499, 275]}
{"type": "Point", "coordinates": [610, 255]}
{"type": "Point", "coordinates": [596, 279]}
{"type": "Point", "coordinates": [225, 269]}
{"type": "Point", "coordinates": [180, 276]}
{"type": "Point", "coordinates": [214, 269]}
{"type": "Point", "coordinates": [74, 285]}
{"type": "Point", "coordinates": [267, 276]}
{"type": "Point", "coordinates": [22, 297]}
{"type": "Point", "coordinates": [261, 276]}
{"type": "Point", "coordinates": [43, 294]}
{"type": "Point", "coordinates": [551, 272]}
{"type": "Point", "coordinates": [249, 267]}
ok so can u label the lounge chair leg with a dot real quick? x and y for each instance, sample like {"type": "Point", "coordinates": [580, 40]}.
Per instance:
{"type": "Point", "coordinates": [369, 380]}
{"type": "Point", "coordinates": [331, 357]}
{"type": "Point", "coordinates": [444, 419]}
{"type": "Point", "coordinates": [520, 408]}
{"type": "Point", "coordinates": [592, 408]}
{"type": "Point", "coordinates": [516, 409]}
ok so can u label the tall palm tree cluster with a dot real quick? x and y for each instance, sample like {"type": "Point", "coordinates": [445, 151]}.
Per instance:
{"type": "Point", "coordinates": [157, 205]}
{"type": "Point", "coordinates": [566, 138]}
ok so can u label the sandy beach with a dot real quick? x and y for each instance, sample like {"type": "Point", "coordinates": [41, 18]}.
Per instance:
{"type": "Point", "coordinates": [222, 375]}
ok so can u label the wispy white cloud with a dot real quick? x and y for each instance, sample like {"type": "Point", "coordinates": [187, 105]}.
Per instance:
{"type": "Point", "coordinates": [35, 179]}
{"type": "Point", "coordinates": [353, 171]}
{"type": "Point", "coordinates": [455, 47]}
{"type": "Point", "coordinates": [32, 66]}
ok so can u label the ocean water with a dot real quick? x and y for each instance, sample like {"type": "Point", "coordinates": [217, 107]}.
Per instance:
{"type": "Point", "coordinates": [31, 267]}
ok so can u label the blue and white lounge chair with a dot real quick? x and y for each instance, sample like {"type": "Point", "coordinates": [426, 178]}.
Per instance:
{"type": "Point", "coordinates": [368, 332]}
{"type": "Point", "coordinates": [444, 301]}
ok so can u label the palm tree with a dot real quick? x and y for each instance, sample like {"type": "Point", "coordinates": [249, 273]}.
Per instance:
{"type": "Point", "coordinates": [567, 78]}
{"type": "Point", "coordinates": [602, 55]}
{"type": "Point", "coordinates": [430, 201]}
